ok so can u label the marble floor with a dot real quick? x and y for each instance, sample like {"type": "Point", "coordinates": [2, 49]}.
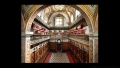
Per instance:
{"type": "Point", "coordinates": [59, 58]}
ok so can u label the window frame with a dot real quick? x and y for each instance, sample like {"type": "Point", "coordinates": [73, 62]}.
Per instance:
{"type": "Point", "coordinates": [58, 24]}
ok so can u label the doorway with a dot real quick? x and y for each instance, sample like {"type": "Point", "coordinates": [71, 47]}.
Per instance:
{"type": "Point", "coordinates": [59, 46]}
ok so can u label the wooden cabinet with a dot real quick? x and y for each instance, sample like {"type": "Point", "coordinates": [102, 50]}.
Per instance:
{"type": "Point", "coordinates": [65, 46]}
{"type": "Point", "coordinates": [52, 46]}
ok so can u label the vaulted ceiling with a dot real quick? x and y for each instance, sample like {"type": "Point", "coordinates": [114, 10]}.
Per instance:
{"type": "Point", "coordinates": [68, 15]}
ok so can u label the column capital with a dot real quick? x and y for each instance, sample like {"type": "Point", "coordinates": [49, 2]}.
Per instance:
{"type": "Point", "coordinates": [93, 35]}
{"type": "Point", "coordinates": [23, 35]}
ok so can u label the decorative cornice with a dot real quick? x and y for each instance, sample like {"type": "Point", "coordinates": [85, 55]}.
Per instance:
{"type": "Point", "coordinates": [39, 22]}
{"type": "Point", "coordinates": [59, 28]}
{"type": "Point", "coordinates": [93, 35]}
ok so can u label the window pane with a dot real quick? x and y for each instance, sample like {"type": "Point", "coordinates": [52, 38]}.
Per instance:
{"type": "Point", "coordinates": [78, 12]}
{"type": "Point", "coordinates": [57, 22]}
{"type": "Point", "coordinates": [60, 22]}
{"type": "Point", "coordinates": [57, 19]}
{"type": "Point", "coordinates": [60, 19]}
{"type": "Point", "coordinates": [72, 18]}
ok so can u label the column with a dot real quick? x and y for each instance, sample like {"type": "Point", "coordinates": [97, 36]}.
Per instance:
{"type": "Point", "coordinates": [90, 48]}
{"type": "Point", "coordinates": [95, 48]}
{"type": "Point", "coordinates": [25, 48]}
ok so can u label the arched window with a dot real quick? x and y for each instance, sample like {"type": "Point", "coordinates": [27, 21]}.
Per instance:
{"type": "Point", "coordinates": [71, 18]}
{"type": "Point", "coordinates": [77, 13]}
{"type": "Point", "coordinates": [58, 21]}
{"type": "Point", "coordinates": [41, 14]}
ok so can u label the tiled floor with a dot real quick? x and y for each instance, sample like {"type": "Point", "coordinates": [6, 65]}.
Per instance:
{"type": "Point", "coordinates": [59, 58]}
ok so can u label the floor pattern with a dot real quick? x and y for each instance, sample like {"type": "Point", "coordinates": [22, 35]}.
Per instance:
{"type": "Point", "coordinates": [59, 58]}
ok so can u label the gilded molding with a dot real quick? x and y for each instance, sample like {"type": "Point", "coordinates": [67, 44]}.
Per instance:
{"type": "Point", "coordinates": [22, 23]}
{"type": "Point", "coordinates": [87, 11]}
{"type": "Point", "coordinates": [31, 11]}
{"type": "Point", "coordinates": [96, 25]}
{"type": "Point", "coordinates": [83, 7]}
{"type": "Point", "coordinates": [68, 16]}
{"type": "Point", "coordinates": [95, 15]}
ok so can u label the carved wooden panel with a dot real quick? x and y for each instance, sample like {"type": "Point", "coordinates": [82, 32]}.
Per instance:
{"type": "Point", "coordinates": [72, 48]}
{"type": "Point", "coordinates": [86, 57]}
{"type": "Point", "coordinates": [35, 55]}
{"type": "Point", "coordinates": [65, 46]}
{"type": "Point", "coordinates": [79, 53]}
{"type": "Point", "coordinates": [43, 52]}
{"type": "Point", "coordinates": [32, 57]}
{"type": "Point", "coordinates": [43, 49]}
{"type": "Point", "coordinates": [75, 49]}
{"type": "Point", "coordinates": [52, 46]}
{"type": "Point", "coordinates": [40, 51]}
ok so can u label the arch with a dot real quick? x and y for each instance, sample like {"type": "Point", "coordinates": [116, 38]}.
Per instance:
{"type": "Point", "coordinates": [35, 9]}
{"type": "Point", "coordinates": [22, 23]}
{"type": "Point", "coordinates": [87, 14]}
{"type": "Point", "coordinates": [96, 25]}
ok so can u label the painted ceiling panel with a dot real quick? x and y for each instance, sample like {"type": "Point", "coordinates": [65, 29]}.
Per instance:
{"type": "Point", "coordinates": [49, 14]}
